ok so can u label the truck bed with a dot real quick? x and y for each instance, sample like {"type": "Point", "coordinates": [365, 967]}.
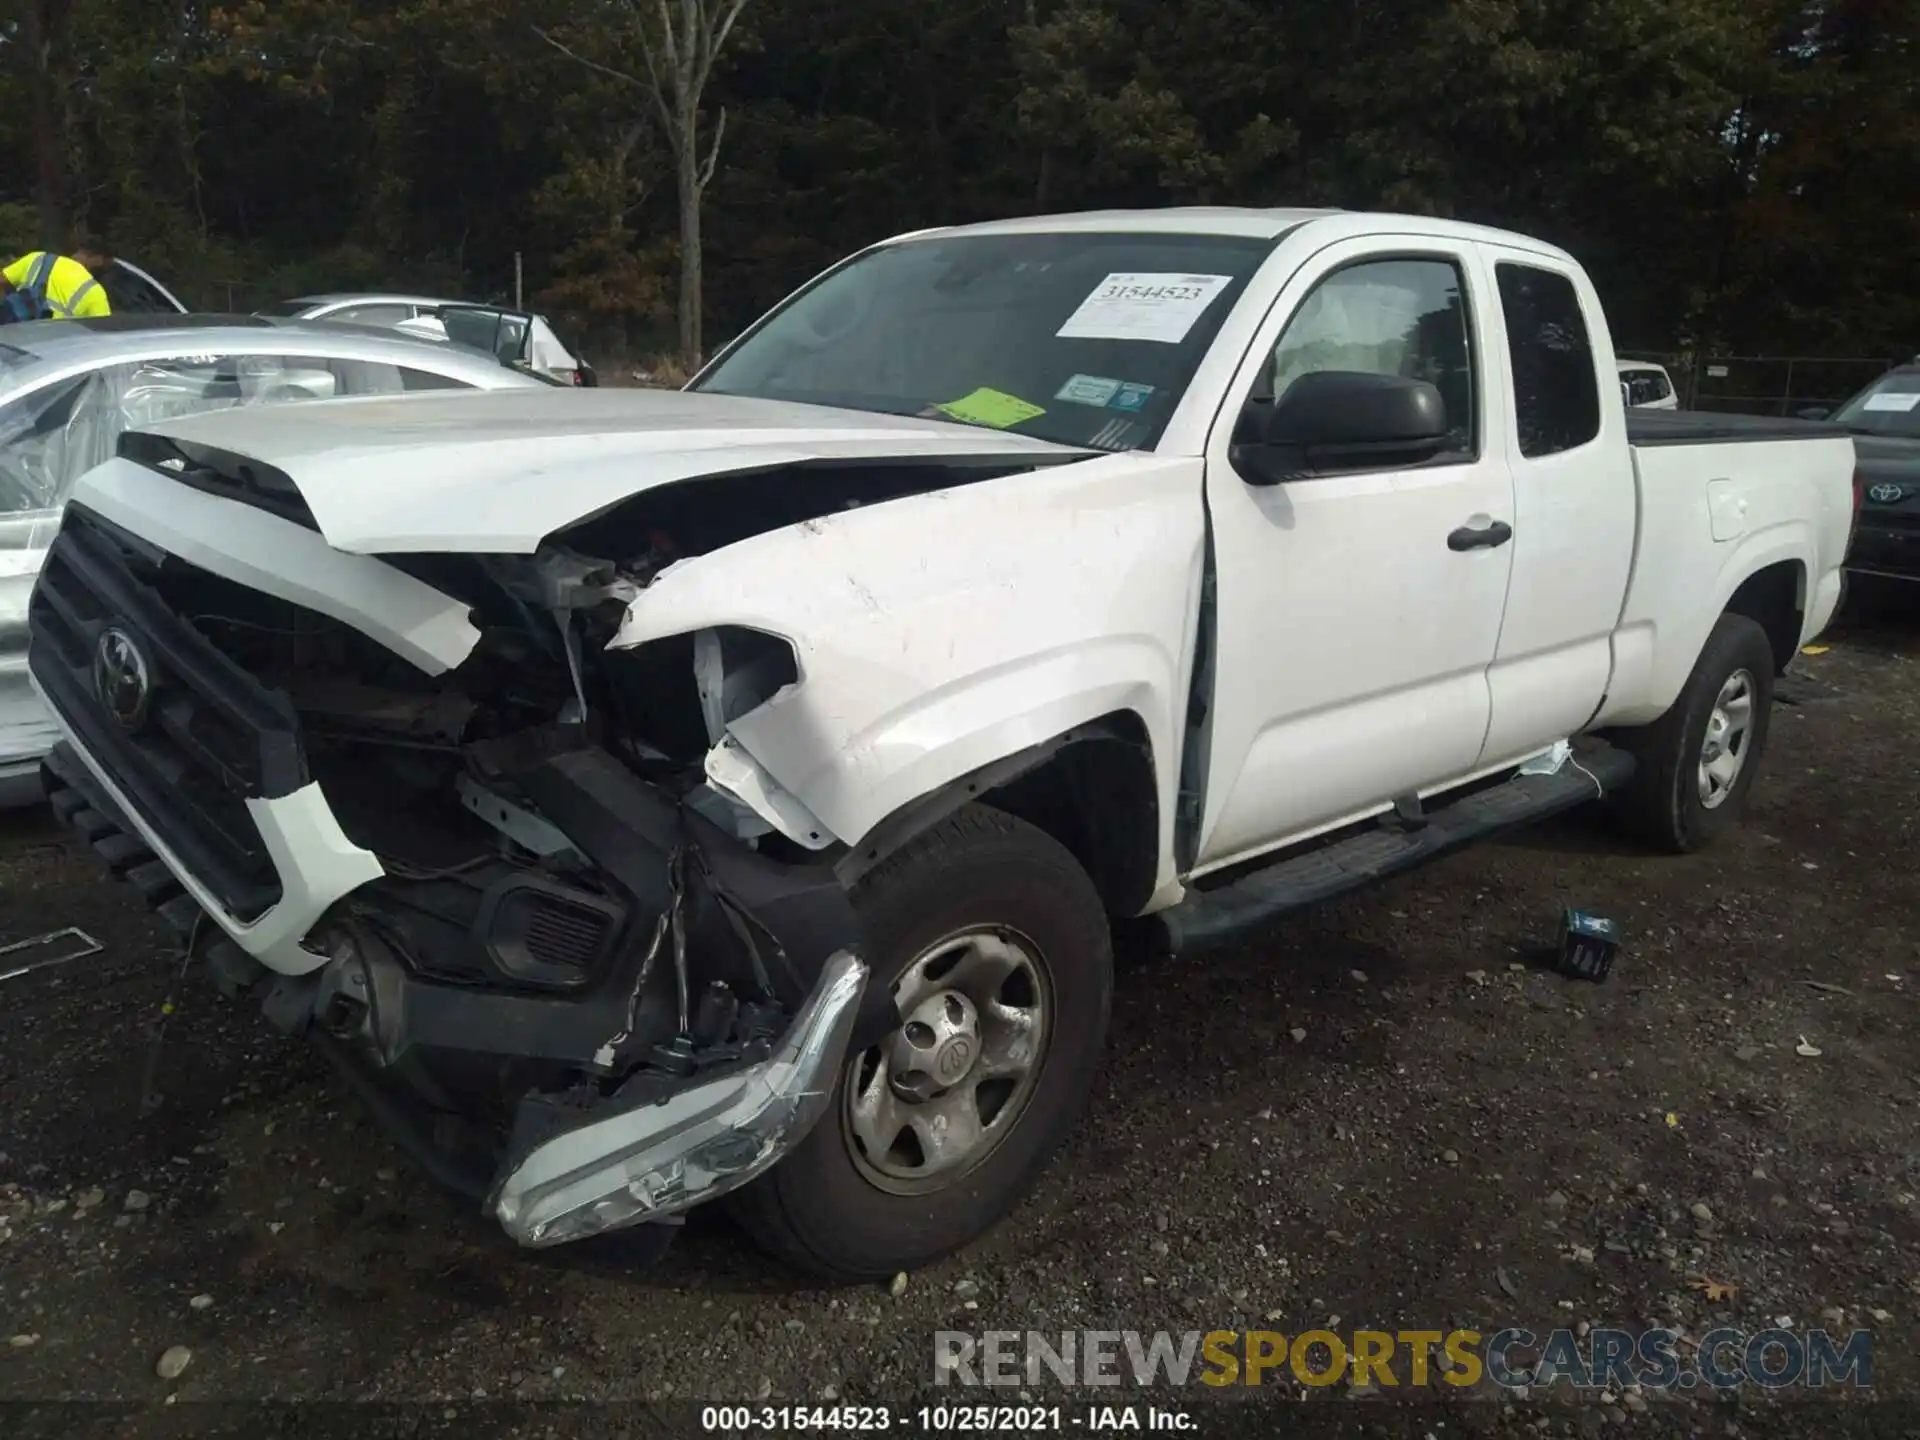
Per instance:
{"type": "Point", "coordinates": [1706, 427]}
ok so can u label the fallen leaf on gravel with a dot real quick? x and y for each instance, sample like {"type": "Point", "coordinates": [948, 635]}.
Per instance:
{"type": "Point", "coordinates": [1825, 988]}
{"type": "Point", "coordinates": [1506, 1283]}
{"type": "Point", "coordinates": [1673, 1121]}
{"type": "Point", "coordinates": [1811, 1052]}
{"type": "Point", "coordinates": [1716, 1291]}
{"type": "Point", "coordinates": [1815, 649]}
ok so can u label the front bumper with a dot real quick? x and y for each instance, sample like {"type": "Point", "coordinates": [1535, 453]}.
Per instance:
{"type": "Point", "coordinates": [1883, 548]}
{"type": "Point", "coordinates": [658, 1145]}
{"type": "Point", "coordinates": [506, 1020]}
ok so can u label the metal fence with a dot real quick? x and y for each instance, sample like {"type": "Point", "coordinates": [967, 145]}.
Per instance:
{"type": "Point", "coordinates": [1765, 384]}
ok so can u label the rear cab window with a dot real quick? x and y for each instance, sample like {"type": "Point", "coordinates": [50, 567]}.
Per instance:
{"type": "Point", "coordinates": [1556, 390]}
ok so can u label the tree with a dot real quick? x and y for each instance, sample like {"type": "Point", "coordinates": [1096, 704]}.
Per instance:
{"type": "Point", "coordinates": [35, 35]}
{"type": "Point", "coordinates": [677, 45]}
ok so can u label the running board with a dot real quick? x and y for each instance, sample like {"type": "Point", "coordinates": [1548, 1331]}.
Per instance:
{"type": "Point", "coordinates": [1207, 916]}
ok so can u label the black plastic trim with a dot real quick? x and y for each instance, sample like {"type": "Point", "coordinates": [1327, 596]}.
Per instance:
{"type": "Point", "coordinates": [220, 472]}
{"type": "Point", "coordinates": [214, 737]}
{"type": "Point", "coordinates": [1294, 882]}
{"type": "Point", "coordinates": [1650, 428]}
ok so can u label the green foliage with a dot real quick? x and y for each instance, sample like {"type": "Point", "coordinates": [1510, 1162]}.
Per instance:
{"type": "Point", "coordinates": [1741, 173]}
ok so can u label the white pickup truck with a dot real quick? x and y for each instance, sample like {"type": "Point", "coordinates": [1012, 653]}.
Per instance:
{"type": "Point", "coordinates": [648, 796]}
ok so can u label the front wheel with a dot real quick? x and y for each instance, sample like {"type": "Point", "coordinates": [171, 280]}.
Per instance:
{"type": "Point", "coordinates": [997, 952]}
{"type": "Point", "coordinates": [1697, 762]}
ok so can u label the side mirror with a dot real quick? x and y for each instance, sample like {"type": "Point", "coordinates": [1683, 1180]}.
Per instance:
{"type": "Point", "coordinates": [1814, 412]}
{"type": "Point", "coordinates": [1340, 419]}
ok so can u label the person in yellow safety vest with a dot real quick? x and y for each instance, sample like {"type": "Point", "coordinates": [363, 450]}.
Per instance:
{"type": "Point", "coordinates": [42, 285]}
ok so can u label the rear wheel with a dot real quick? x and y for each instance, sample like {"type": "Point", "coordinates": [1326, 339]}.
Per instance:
{"type": "Point", "coordinates": [1697, 762]}
{"type": "Point", "coordinates": [996, 949]}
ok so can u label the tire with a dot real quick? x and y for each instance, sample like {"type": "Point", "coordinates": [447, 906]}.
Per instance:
{"type": "Point", "coordinates": [1663, 804]}
{"type": "Point", "coordinates": [828, 1208]}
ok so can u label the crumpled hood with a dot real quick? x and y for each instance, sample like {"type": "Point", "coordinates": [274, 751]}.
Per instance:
{"type": "Point", "coordinates": [498, 471]}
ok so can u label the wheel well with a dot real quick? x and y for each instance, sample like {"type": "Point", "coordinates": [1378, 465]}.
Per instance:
{"type": "Point", "coordinates": [1774, 598]}
{"type": "Point", "coordinates": [1097, 797]}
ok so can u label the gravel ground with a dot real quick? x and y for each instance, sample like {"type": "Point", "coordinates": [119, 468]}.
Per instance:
{"type": "Point", "coordinates": [1384, 1112]}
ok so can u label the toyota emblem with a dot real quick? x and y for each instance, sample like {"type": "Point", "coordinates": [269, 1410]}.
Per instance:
{"type": "Point", "coordinates": [1885, 494]}
{"type": "Point", "coordinates": [121, 678]}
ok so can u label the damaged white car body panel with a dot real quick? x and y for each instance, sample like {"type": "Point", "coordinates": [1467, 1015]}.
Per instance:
{"type": "Point", "coordinates": [430, 474]}
{"type": "Point", "coordinates": [1077, 584]}
{"type": "Point", "coordinates": [1077, 580]}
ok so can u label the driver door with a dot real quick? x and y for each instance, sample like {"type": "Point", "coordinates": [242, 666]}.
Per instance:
{"type": "Point", "coordinates": [1354, 634]}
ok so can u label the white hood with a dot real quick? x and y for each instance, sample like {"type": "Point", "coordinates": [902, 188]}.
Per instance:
{"type": "Point", "coordinates": [498, 471]}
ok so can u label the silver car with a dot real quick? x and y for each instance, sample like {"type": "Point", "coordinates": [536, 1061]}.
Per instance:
{"type": "Point", "coordinates": [69, 388]}
{"type": "Point", "coordinates": [533, 341]}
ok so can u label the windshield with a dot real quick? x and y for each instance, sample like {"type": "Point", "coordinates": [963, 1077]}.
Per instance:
{"type": "Point", "coordinates": [1083, 339]}
{"type": "Point", "coordinates": [286, 309]}
{"type": "Point", "coordinates": [1889, 406]}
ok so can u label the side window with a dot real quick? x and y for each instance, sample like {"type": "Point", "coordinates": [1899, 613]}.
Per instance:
{"type": "Point", "coordinates": [1661, 387]}
{"type": "Point", "coordinates": [367, 377]}
{"type": "Point", "coordinates": [427, 380]}
{"type": "Point", "coordinates": [1387, 317]}
{"type": "Point", "coordinates": [1556, 393]}
{"type": "Point", "coordinates": [372, 314]}
{"type": "Point", "coordinates": [128, 294]}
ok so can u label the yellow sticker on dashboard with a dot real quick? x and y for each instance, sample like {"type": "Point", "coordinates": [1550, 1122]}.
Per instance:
{"type": "Point", "coordinates": [990, 407]}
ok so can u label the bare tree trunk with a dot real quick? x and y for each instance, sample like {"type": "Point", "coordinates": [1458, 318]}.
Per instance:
{"type": "Point", "coordinates": [676, 59]}
{"type": "Point", "coordinates": [689, 299]}
{"type": "Point", "coordinates": [41, 22]}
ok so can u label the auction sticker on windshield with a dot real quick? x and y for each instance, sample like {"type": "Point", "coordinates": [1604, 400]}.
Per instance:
{"type": "Point", "coordinates": [1143, 306]}
{"type": "Point", "coordinates": [1088, 390]}
{"type": "Point", "coordinates": [990, 407]}
{"type": "Point", "coordinates": [1892, 400]}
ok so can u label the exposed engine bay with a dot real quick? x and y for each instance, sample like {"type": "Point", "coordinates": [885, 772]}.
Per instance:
{"type": "Point", "coordinates": [573, 924]}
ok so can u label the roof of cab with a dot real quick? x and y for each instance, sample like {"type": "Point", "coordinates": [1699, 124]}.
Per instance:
{"type": "Point", "coordinates": [1169, 220]}
{"type": "Point", "coordinates": [1259, 224]}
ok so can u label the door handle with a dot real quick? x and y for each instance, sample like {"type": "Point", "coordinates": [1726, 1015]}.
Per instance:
{"type": "Point", "coordinates": [1469, 538]}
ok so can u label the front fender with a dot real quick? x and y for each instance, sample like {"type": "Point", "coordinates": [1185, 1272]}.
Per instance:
{"type": "Point", "coordinates": [936, 634]}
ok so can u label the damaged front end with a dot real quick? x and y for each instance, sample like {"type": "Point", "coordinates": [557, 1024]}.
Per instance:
{"type": "Point", "coordinates": [584, 984]}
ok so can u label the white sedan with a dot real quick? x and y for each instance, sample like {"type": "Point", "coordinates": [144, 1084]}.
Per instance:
{"type": "Point", "coordinates": [515, 336]}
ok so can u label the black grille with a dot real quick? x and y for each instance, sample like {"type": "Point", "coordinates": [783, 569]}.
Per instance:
{"type": "Point", "coordinates": [208, 739]}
